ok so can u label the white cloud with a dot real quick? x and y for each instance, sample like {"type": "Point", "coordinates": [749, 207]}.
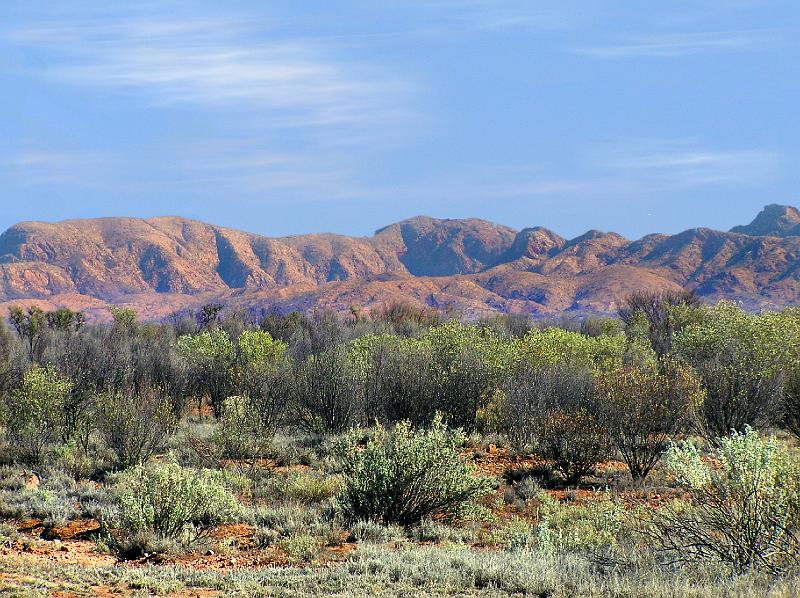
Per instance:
{"type": "Point", "coordinates": [38, 167]}
{"type": "Point", "coordinates": [686, 163]}
{"type": "Point", "coordinates": [682, 44]}
{"type": "Point", "coordinates": [218, 64]}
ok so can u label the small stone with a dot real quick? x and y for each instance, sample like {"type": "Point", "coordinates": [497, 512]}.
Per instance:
{"type": "Point", "coordinates": [209, 552]}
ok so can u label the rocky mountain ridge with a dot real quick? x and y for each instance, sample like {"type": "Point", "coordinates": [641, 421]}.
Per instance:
{"type": "Point", "coordinates": [163, 264]}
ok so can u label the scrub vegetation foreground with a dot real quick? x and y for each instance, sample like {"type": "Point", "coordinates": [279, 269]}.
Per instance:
{"type": "Point", "coordinates": [402, 452]}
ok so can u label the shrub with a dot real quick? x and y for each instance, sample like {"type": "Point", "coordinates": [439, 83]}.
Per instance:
{"type": "Point", "coordinates": [326, 393]}
{"type": "Point", "coordinates": [659, 315]}
{"type": "Point", "coordinates": [515, 534]}
{"type": "Point", "coordinates": [743, 513]}
{"type": "Point", "coordinates": [736, 396]}
{"type": "Point", "coordinates": [35, 413]}
{"type": "Point", "coordinates": [601, 523]}
{"type": "Point", "coordinates": [311, 488]}
{"type": "Point", "coordinates": [301, 546]}
{"type": "Point", "coordinates": [553, 410]}
{"type": "Point", "coordinates": [211, 355]}
{"type": "Point", "coordinates": [56, 499]}
{"type": "Point", "coordinates": [644, 407]}
{"type": "Point", "coordinates": [135, 426]}
{"type": "Point", "coordinates": [791, 401]}
{"type": "Point", "coordinates": [398, 378]}
{"type": "Point", "coordinates": [404, 475]}
{"type": "Point", "coordinates": [433, 531]}
{"type": "Point", "coordinates": [557, 346]}
{"type": "Point", "coordinates": [740, 358]}
{"type": "Point", "coordinates": [170, 502]}
{"type": "Point", "coordinates": [249, 422]}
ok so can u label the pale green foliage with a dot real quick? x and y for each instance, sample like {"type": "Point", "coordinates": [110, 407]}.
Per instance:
{"type": "Point", "coordinates": [35, 413]}
{"type": "Point", "coordinates": [259, 349]}
{"type": "Point", "coordinates": [555, 345]}
{"type": "Point", "coordinates": [375, 533]}
{"type": "Point", "coordinates": [362, 349]}
{"type": "Point", "coordinates": [599, 523]}
{"type": "Point", "coordinates": [221, 365]}
{"type": "Point", "coordinates": [740, 357]}
{"type": "Point", "coordinates": [240, 434]}
{"type": "Point", "coordinates": [210, 346]}
{"type": "Point", "coordinates": [124, 318]}
{"type": "Point", "coordinates": [743, 512]}
{"type": "Point", "coordinates": [301, 546]}
{"type": "Point", "coordinates": [515, 534]}
{"type": "Point", "coordinates": [172, 502]}
{"type": "Point", "coordinates": [403, 476]}
{"type": "Point", "coordinates": [767, 341]}
{"type": "Point", "coordinates": [211, 354]}
{"type": "Point", "coordinates": [451, 339]}
{"type": "Point", "coordinates": [643, 407]}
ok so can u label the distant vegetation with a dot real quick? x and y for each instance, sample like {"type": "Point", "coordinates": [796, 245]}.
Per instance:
{"type": "Point", "coordinates": [655, 449]}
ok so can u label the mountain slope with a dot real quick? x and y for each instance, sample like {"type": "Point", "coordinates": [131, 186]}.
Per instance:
{"type": "Point", "coordinates": [163, 264]}
{"type": "Point", "coordinates": [773, 221]}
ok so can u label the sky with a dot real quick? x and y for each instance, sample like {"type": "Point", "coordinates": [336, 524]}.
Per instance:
{"type": "Point", "coordinates": [284, 117]}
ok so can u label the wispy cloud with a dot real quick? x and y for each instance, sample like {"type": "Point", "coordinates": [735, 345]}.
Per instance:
{"type": "Point", "coordinates": [252, 166]}
{"type": "Point", "coordinates": [682, 44]}
{"type": "Point", "coordinates": [39, 168]}
{"type": "Point", "coordinates": [686, 163]}
{"type": "Point", "coordinates": [508, 14]}
{"type": "Point", "coordinates": [217, 64]}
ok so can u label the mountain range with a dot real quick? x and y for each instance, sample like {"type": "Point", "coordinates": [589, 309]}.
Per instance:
{"type": "Point", "coordinates": [161, 265]}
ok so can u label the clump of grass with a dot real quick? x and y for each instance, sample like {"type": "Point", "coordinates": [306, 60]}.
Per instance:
{"type": "Point", "coordinates": [300, 546]}
{"type": "Point", "coordinates": [375, 533]}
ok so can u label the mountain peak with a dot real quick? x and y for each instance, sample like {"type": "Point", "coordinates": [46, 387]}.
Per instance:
{"type": "Point", "coordinates": [774, 220]}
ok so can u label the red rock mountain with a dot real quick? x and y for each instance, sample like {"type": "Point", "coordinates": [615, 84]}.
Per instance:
{"type": "Point", "coordinates": [160, 265]}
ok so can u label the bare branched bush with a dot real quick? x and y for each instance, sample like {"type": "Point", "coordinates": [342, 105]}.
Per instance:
{"type": "Point", "coordinates": [644, 407]}
{"type": "Point", "coordinates": [736, 395]}
{"type": "Point", "coordinates": [135, 425]}
{"type": "Point", "coordinates": [554, 410]}
{"type": "Point", "coordinates": [661, 313]}
{"type": "Point", "coordinates": [326, 394]}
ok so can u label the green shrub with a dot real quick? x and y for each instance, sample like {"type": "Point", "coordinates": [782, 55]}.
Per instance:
{"type": "Point", "coordinates": [600, 523]}
{"type": "Point", "coordinates": [554, 410]}
{"type": "Point", "coordinates": [404, 475]}
{"type": "Point", "coordinates": [311, 487]}
{"type": "Point", "coordinates": [743, 513]}
{"type": "Point", "coordinates": [34, 413]}
{"type": "Point", "coordinates": [433, 531]}
{"type": "Point", "coordinates": [135, 425]}
{"type": "Point", "coordinates": [644, 407]}
{"type": "Point", "coordinates": [239, 435]}
{"type": "Point", "coordinates": [171, 502]}
{"type": "Point", "coordinates": [516, 534]}
{"type": "Point", "coordinates": [55, 500]}
{"type": "Point", "coordinates": [301, 546]}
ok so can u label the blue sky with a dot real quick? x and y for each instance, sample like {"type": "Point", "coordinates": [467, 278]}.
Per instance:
{"type": "Point", "coordinates": [287, 117]}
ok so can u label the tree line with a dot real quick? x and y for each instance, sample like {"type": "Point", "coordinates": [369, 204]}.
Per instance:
{"type": "Point", "coordinates": [576, 392]}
